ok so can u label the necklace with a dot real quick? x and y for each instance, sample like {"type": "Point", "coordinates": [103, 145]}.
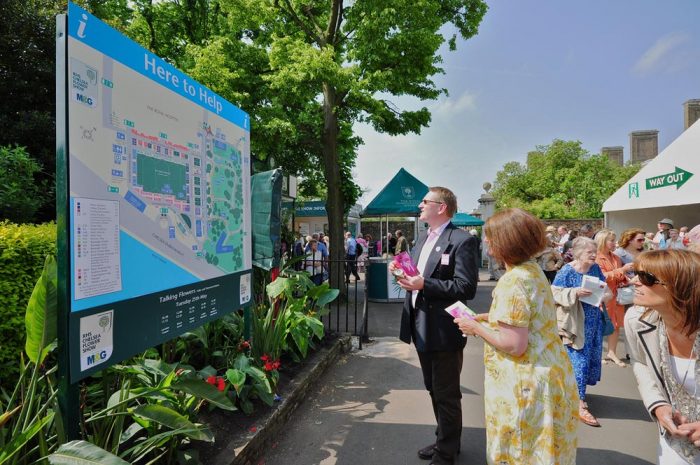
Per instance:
{"type": "Point", "coordinates": [678, 392]}
{"type": "Point", "coordinates": [682, 401]}
{"type": "Point", "coordinates": [691, 363]}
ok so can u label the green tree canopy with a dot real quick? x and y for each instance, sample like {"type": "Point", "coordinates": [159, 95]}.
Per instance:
{"type": "Point", "coordinates": [560, 180]}
{"type": "Point", "coordinates": [307, 71]}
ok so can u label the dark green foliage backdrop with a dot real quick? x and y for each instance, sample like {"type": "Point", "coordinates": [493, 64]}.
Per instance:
{"type": "Point", "coordinates": [27, 93]}
{"type": "Point", "coordinates": [23, 250]}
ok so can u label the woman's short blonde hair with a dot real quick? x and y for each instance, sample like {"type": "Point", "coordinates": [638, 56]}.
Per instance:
{"type": "Point", "coordinates": [602, 237]}
{"type": "Point", "coordinates": [514, 236]}
{"type": "Point", "coordinates": [580, 244]}
{"type": "Point", "coordinates": [678, 270]}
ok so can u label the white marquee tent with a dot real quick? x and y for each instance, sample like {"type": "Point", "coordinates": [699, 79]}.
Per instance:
{"type": "Point", "coordinates": [667, 187]}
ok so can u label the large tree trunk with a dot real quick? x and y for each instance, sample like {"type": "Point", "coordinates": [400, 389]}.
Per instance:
{"type": "Point", "coordinates": [331, 169]}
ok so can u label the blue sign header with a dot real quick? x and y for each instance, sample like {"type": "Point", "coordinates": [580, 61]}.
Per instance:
{"type": "Point", "coordinates": [88, 29]}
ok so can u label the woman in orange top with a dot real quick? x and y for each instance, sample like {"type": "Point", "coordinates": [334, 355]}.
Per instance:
{"type": "Point", "coordinates": [614, 272]}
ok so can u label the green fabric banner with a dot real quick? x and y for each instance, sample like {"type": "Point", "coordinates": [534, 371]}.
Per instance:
{"type": "Point", "coordinates": [266, 201]}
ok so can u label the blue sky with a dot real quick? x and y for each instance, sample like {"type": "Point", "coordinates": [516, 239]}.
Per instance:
{"type": "Point", "coordinates": [540, 70]}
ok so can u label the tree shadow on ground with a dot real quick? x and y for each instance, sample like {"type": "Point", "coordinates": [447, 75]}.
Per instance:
{"type": "Point", "coordinates": [585, 456]}
{"type": "Point", "coordinates": [617, 408]}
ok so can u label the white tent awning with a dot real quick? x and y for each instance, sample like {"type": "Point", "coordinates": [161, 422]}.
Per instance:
{"type": "Point", "coordinates": [670, 179]}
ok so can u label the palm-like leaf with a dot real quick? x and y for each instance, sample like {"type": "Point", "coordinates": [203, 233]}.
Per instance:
{"type": "Point", "coordinates": [20, 440]}
{"type": "Point", "coordinates": [202, 390]}
{"type": "Point", "coordinates": [40, 319]}
{"type": "Point", "coordinates": [170, 418]}
{"type": "Point", "coordinates": [83, 453]}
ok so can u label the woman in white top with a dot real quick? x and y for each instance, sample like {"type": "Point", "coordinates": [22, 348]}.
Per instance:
{"type": "Point", "coordinates": [630, 245]}
{"type": "Point", "coordinates": [313, 263]}
{"type": "Point", "coordinates": [662, 329]}
{"type": "Point", "coordinates": [675, 241]}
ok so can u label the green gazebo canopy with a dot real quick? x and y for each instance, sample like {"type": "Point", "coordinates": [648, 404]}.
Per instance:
{"type": "Point", "coordinates": [400, 197]}
{"type": "Point", "coordinates": [465, 219]}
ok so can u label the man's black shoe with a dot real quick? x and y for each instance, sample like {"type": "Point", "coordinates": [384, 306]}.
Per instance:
{"type": "Point", "coordinates": [427, 452]}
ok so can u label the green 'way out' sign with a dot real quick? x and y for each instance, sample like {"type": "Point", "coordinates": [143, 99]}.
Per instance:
{"type": "Point", "coordinates": [677, 178]}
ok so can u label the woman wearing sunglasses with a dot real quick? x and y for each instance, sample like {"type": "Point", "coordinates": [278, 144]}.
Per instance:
{"type": "Point", "coordinates": [662, 331]}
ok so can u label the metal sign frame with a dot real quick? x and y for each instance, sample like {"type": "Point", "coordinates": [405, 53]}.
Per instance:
{"type": "Point", "coordinates": [113, 323]}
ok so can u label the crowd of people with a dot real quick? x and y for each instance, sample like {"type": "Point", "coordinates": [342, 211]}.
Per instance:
{"type": "Point", "coordinates": [314, 250]}
{"type": "Point", "coordinates": [561, 293]}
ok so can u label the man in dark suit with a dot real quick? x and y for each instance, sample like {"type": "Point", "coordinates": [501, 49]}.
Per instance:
{"type": "Point", "coordinates": [446, 259]}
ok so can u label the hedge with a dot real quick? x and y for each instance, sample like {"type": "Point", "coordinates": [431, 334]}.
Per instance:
{"type": "Point", "coordinates": [23, 249]}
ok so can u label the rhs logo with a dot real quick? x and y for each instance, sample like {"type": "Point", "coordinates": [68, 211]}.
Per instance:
{"type": "Point", "coordinates": [633, 190]}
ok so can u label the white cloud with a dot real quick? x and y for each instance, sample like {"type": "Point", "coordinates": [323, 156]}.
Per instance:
{"type": "Point", "coordinates": [659, 54]}
{"type": "Point", "coordinates": [454, 106]}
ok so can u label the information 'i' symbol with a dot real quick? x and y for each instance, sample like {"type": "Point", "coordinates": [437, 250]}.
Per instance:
{"type": "Point", "coordinates": [83, 24]}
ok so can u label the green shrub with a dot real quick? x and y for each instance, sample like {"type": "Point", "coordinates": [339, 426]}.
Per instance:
{"type": "Point", "coordinates": [23, 249]}
{"type": "Point", "coordinates": [21, 194]}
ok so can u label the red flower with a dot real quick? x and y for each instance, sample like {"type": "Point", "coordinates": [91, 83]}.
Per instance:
{"type": "Point", "coordinates": [211, 380]}
{"type": "Point", "coordinates": [265, 358]}
{"type": "Point", "coordinates": [245, 344]}
{"type": "Point", "coordinates": [221, 384]}
{"type": "Point", "coordinates": [271, 365]}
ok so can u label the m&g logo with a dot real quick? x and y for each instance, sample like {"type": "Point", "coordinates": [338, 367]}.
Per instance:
{"type": "Point", "coordinates": [96, 358]}
{"type": "Point", "coordinates": [84, 99]}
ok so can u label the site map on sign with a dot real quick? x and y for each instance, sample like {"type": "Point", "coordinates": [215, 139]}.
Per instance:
{"type": "Point", "coordinates": [180, 175]}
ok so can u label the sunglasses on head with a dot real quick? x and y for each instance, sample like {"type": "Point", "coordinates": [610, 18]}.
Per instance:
{"type": "Point", "coordinates": [648, 279]}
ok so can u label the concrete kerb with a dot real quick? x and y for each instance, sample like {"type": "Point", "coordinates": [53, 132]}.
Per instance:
{"type": "Point", "coordinates": [247, 449]}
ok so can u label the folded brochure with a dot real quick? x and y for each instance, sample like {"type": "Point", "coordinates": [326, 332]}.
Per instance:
{"type": "Point", "coordinates": [459, 310]}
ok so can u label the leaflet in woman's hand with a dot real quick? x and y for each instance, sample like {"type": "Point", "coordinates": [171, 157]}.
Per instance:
{"type": "Point", "coordinates": [597, 288]}
{"type": "Point", "coordinates": [459, 310]}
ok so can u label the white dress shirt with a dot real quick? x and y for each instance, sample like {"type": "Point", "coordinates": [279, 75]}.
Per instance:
{"type": "Point", "coordinates": [433, 236]}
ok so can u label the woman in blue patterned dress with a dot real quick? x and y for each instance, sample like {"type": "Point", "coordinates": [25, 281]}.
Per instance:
{"type": "Point", "coordinates": [586, 361]}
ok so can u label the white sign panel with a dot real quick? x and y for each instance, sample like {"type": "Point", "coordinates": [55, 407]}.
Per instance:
{"type": "Point", "coordinates": [96, 253]}
{"type": "Point", "coordinates": [96, 341]}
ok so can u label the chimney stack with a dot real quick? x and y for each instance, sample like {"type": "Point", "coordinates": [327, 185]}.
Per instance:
{"type": "Point", "coordinates": [691, 113]}
{"type": "Point", "coordinates": [644, 145]}
{"type": "Point", "coordinates": [615, 154]}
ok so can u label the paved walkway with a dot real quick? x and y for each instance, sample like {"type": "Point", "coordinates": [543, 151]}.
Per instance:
{"type": "Point", "coordinates": [371, 408]}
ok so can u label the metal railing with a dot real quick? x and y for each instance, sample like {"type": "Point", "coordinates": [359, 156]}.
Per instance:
{"type": "Point", "coordinates": [349, 312]}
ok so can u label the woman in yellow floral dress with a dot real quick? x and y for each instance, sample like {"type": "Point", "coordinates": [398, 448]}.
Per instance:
{"type": "Point", "coordinates": [529, 387]}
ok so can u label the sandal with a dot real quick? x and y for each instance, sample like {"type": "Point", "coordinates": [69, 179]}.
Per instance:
{"type": "Point", "coordinates": [586, 417]}
{"type": "Point", "coordinates": [617, 362]}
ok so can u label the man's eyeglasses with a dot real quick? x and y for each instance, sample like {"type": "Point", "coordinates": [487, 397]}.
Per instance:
{"type": "Point", "coordinates": [648, 279]}
{"type": "Point", "coordinates": [426, 201]}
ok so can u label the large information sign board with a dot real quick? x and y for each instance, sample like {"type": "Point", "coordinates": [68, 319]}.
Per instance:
{"type": "Point", "coordinates": [157, 228]}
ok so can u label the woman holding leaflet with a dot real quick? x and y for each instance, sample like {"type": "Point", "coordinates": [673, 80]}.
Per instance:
{"type": "Point", "coordinates": [529, 386]}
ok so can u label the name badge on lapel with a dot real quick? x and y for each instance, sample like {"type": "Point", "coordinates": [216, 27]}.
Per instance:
{"type": "Point", "coordinates": [445, 259]}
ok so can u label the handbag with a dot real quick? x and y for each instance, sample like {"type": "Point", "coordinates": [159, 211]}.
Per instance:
{"type": "Point", "coordinates": [608, 327]}
{"type": "Point", "coordinates": [625, 295]}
